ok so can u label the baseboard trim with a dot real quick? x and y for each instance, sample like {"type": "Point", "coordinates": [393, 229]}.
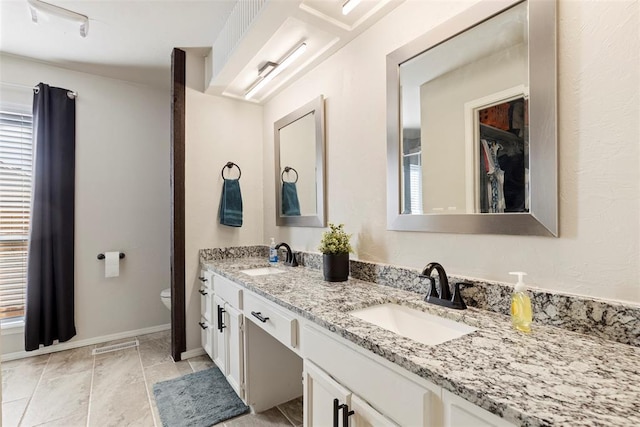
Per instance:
{"type": "Point", "coordinates": [192, 353]}
{"type": "Point", "coordinates": [82, 343]}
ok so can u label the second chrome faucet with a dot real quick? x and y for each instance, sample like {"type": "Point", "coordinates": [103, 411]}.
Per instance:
{"type": "Point", "coordinates": [443, 295]}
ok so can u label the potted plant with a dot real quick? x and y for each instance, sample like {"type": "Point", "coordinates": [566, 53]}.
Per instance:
{"type": "Point", "coordinates": [335, 248]}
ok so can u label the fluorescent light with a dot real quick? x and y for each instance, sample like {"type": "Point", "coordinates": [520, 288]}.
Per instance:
{"type": "Point", "coordinates": [349, 5]}
{"type": "Point", "coordinates": [266, 69]}
{"type": "Point", "coordinates": [49, 9]}
{"type": "Point", "coordinates": [276, 70]}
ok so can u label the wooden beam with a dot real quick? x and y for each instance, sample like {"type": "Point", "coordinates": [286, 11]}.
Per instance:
{"type": "Point", "coordinates": [178, 82]}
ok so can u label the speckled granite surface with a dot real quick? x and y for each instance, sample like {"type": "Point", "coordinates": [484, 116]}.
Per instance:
{"type": "Point", "coordinates": [258, 251]}
{"type": "Point", "coordinates": [549, 377]}
{"type": "Point", "coordinates": [605, 319]}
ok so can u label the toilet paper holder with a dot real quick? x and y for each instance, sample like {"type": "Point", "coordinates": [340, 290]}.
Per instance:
{"type": "Point", "coordinates": [101, 256]}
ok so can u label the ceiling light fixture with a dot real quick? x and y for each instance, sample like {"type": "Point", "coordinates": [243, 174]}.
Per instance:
{"type": "Point", "coordinates": [349, 5]}
{"type": "Point", "coordinates": [267, 74]}
{"type": "Point", "coordinates": [36, 6]}
{"type": "Point", "coordinates": [266, 69]}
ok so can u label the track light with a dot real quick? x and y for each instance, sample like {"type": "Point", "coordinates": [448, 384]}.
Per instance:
{"type": "Point", "coordinates": [270, 70]}
{"type": "Point", "coordinates": [36, 6]}
{"type": "Point", "coordinates": [349, 5]}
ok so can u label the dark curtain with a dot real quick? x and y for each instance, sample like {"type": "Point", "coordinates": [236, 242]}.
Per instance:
{"type": "Point", "coordinates": [50, 266]}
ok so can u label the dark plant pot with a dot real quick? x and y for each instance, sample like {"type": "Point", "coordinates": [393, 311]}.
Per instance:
{"type": "Point", "coordinates": [335, 267]}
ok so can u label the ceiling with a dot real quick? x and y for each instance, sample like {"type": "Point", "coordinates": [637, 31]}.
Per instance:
{"type": "Point", "coordinates": [127, 39]}
{"type": "Point", "coordinates": [278, 29]}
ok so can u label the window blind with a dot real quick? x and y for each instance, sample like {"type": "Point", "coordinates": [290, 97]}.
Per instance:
{"type": "Point", "coordinates": [16, 166]}
{"type": "Point", "coordinates": [415, 174]}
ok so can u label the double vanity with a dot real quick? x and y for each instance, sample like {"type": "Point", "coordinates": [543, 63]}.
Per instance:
{"type": "Point", "coordinates": [471, 147]}
{"type": "Point", "coordinates": [362, 353]}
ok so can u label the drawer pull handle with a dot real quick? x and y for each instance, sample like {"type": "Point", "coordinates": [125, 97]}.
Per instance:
{"type": "Point", "coordinates": [202, 325]}
{"type": "Point", "coordinates": [258, 316]}
{"type": "Point", "coordinates": [221, 324]}
{"type": "Point", "coordinates": [203, 293]}
{"type": "Point", "coordinates": [346, 413]}
{"type": "Point", "coordinates": [202, 279]}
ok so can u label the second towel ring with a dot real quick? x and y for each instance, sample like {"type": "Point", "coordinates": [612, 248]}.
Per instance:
{"type": "Point", "coordinates": [230, 165]}
{"type": "Point", "coordinates": [287, 169]}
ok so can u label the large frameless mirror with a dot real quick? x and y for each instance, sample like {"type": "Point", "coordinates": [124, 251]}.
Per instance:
{"type": "Point", "coordinates": [299, 166]}
{"type": "Point", "coordinates": [472, 124]}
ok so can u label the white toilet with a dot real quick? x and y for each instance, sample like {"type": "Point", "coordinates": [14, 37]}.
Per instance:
{"type": "Point", "coordinates": [165, 296]}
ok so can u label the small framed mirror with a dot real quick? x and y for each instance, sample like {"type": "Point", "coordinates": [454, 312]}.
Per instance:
{"type": "Point", "coordinates": [471, 120]}
{"type": "Point", "coordinates": [299, 166]}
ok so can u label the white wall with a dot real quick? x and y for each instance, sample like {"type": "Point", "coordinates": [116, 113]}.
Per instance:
{"type": "Point", "coordinates": [598, 78]}
{"type": "Point", "coordinates": [122, 198]}
{"type": "Point", "coordinates": [218, 130]}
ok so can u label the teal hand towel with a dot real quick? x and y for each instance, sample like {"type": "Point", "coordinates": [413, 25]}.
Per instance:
{"type": "Point", "coordinates": [290, 203]}
{"type": "Point", "coordinates": [231, 203]}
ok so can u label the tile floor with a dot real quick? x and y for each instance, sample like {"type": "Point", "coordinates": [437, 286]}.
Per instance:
{"type": "Point", "coordinates": [73, 388]}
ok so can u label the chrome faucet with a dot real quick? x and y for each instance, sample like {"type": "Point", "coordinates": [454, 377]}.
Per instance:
{"type": "Point", "coordinates": [290, 260]}
{"type": "Point", "coordinates": [442, 296]}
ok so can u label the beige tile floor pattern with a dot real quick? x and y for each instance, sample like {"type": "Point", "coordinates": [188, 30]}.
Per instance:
{"type": "Point", "coordinates": [73, 388]}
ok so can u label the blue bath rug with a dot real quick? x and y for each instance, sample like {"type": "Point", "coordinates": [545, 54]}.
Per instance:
{"type": "Point", "coordinates": [200, 399]}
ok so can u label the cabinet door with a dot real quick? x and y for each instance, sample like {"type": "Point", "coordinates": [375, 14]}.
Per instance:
{"type": "Point", "coordinates": [461, 413]}
{"type": "Point", "coordinates": [206, 303]}
{"type": "Point", "coordinates": [320, 391]}
{"type": "Point", "coordinates": [365, 416]}
{"type": "Point", "coordinates": [206, 336]}
{"type": "Point", "coordinates": [235, 346]}
{"type": "Point", "coordinates": [219, 335]}
{"type": "Point", "coordinates": [409, 403]}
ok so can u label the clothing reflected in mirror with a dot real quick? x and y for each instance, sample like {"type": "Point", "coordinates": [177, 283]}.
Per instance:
{"type": "Point", "coordinates": [446, 168]}
{"type": "Point", "coordinates": [472, 123]}
{"type": "Point", "coordinates": [504, 158]}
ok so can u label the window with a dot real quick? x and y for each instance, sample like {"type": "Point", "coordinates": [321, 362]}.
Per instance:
{"type": "Point", "coordinates": [16, 161]}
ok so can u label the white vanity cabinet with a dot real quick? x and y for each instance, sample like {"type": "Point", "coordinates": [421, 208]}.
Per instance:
{"type": "Point", "coordinates": [227, 331]}
{"type": "Point", "coordinates": [263, 348]}
{"type": "Point", "coordinates": [322, 395]}
{"type": "Point", "coordinates": [381, 395]}
{"type": "Point", "coordinates": [365, 416]}
{"type": "Point", "coordinates": [328, 403]}
{"type": "Point", "coordinates": [206, 307]}
{"type": "Point", "coordinates": [461, 413]}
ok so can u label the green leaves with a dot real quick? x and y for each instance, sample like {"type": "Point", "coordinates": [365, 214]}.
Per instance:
{"type": "Point", "coordinates": [335, 241]}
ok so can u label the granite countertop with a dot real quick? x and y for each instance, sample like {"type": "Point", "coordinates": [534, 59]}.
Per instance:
{"type": "Point", "coordinates": [548, 377]}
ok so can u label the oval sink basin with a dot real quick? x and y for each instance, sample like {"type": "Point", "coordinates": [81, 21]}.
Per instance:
{"type": "Point", "coordinates": [263, 271]}
{"type": "Point", "coordinates": [414, 324]}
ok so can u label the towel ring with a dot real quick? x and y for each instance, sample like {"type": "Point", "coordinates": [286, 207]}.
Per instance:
{"type": "Point", "coordinates": [288, 169]}
{"type": "Point", "coordinates": [230, 165]}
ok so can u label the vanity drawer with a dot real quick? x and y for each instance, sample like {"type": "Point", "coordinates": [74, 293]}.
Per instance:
{"type": "Point", "coordinates": [277, 324]}
{"type": "Point", "coordinates": [206, 299]}
{"type": "Point", "coordinates": [206, 279]}
{"type": "Point", "coordinates": [206, 338]}
{"type": "Point", "coordinates": [228, 291]}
